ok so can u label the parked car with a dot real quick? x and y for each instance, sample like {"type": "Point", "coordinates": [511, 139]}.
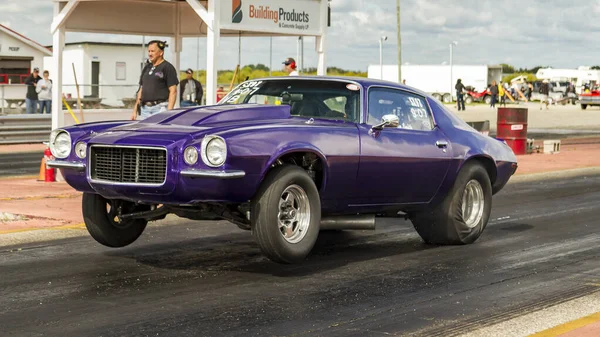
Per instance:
{"type": "Point", "coordinates": [590, 98]}
{"type": "Point", "coordinates": [285, 158]}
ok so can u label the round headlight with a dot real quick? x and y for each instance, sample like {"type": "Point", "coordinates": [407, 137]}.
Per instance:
{"type": "Point", "coordinates": [190, 155]}
{"type": "Point", "coordinates": [81, 150]}
{"type": "Point", "coordinates": [60, 144]}
{"type": "Point", "coordinates": [214, 151]}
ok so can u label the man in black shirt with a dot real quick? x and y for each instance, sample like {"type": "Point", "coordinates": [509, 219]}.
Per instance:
{"type": "Point", "coordinates": [460, 88]}
{"type": "Point", "coordinates": [158, 83]}
{"type": "Point", "coordinates": [31, 99]}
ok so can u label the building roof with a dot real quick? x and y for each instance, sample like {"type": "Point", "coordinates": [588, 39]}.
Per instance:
{"type": "Point", "coordinates": [115, 44]}
{"type": "Point", "coordinates": [25, 40]}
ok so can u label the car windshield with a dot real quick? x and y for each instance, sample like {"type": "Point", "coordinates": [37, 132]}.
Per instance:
{"type": "Point", "coordinates": [315, 98]}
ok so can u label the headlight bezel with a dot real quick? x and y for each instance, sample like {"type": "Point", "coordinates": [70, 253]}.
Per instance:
{"type": "Point", "coordinates": [78, 146]}
{"type": "Point", "coordinates": [206, 141]}
{"type": "Point", "coordinates": [185, 157]}
{"type": "Point", "coordinates": [54, 135]}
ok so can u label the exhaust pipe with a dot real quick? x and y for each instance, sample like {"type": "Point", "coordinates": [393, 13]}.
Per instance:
{"type": "Point", "coordinates": [348, 222]}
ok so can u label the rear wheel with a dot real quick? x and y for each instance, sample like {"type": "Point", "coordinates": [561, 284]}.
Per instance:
{"type": "Point", "coordinates": [463, 214]}
{"type": "Point", "coordinates": [286, 215]}
{"type": "Point", "coordinates": [101, 220]}
{"type": "Point", "coordinates": [437, 96]}
{"type": "Point", "coordinates": [469, 99]}
{"type": "Point", "coordinates": [583, 106]}
{"type": "Point", "coordinates": [447, 98]}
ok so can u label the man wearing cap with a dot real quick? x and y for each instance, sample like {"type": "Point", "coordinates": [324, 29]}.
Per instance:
{"type": "Point", "coordinates": [190, 90]}
{"type": "Point", "coordinates": [31, 99]}
{"type": "Point", "coordinates": [158, 83]}
{"type": "Point", "coordinates": [290, 66]}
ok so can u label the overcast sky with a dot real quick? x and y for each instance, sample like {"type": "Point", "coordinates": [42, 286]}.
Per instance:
{"type": "Point", "coordinates": [524, 33]}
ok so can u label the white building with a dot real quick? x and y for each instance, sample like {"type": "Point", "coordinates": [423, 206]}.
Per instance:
{"type": "Point", "coordinates": [18, 56]}
{"type": "Point", "coordinates": [110, 71]}
{"type": "Point", "coordinates": [439, 80]}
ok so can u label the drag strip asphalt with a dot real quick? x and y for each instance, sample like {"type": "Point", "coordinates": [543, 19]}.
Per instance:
{"type": "Point", "coordinates": [210, 279]}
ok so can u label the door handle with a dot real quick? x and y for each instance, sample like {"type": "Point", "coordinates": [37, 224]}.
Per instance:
{"type": "Point", "coordinates": [441, 143]}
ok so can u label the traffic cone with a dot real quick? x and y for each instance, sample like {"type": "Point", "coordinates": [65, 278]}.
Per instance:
{"type": "Point", "coordinates": [42, 176]}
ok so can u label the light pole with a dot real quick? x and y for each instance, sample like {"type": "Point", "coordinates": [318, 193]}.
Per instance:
{"type": "Point", "coordinates": [454, 43]}
{"type": "Point", "coordinates": [381, 39]}
{"type": "Point", "coordinates": [399, 42]}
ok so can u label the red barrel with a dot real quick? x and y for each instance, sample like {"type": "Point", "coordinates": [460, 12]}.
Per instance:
{"type": "Point", "coordinates": [512, 127]}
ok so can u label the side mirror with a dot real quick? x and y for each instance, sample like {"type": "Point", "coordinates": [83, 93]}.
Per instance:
{"type": "Point", "coordinates": [387, 121]}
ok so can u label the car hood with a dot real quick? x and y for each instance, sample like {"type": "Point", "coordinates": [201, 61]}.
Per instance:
{"type": "Point", "coordinates": [217, 114]}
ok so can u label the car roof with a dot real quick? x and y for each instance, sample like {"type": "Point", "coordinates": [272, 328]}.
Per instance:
{"type": "Point", "coordinates": [365, 82]}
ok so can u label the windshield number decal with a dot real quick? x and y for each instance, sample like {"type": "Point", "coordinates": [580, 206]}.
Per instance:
{"type": "Point", "coordinates": [246, 88]}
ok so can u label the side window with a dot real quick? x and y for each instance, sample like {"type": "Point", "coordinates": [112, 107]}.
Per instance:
{"type": "Point", "coordinates": [412, 110]}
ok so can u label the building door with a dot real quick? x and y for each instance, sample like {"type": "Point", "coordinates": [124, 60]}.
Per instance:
{"type": "Point", "coordinates": [95, 79]}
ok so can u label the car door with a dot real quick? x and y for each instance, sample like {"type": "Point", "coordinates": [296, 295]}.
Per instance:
{"type": "Point", "coordinates": [403, 164]}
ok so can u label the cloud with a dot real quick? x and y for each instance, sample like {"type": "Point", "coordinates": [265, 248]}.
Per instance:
{"type": "Point", "coordinates": [523, 33]}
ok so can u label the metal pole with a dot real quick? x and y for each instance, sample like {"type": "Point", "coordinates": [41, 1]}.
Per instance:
{"type": "Point", "coordinates": [451, 72]}
{"type": "Point", "coordinates": [270, 56]}
{"type": "Point", "coordinates": [399, 43]}
{"type": "Point", "coordinates": [197, 59]}
{"type": "Point", "coordinates": [301, 54]}
{"type": "Point", "coordinates": [380, 58]}
{"type": "Point", "coordinates": [143, 51]}
{"type": "Point", "coordinates": [2, 98]}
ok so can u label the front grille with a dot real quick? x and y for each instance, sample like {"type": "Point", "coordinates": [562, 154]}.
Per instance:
{"type": "Point", "coordinates": [128, 165]}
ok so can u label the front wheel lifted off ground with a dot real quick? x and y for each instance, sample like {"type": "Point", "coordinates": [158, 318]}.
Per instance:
{"type": "Point", "coordinates": [286, 214]}
{"type": "Point", "coordinates": [463, 214]}
{"type": "Point", "coordinates": [102, 222]}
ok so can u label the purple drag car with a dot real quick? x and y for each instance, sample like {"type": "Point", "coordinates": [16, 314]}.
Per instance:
{"type": "Point", "coordinates": [285, 158]}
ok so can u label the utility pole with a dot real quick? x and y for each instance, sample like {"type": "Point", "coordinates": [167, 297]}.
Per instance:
{"type": "Point", "coordinates": [399, 43]}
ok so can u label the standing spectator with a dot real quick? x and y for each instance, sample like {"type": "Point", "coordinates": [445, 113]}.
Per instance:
{"type": "Point", "coordinates": [190, 90]}
{"type": "Point", "coordinates": [31, 99]}
{"type": "Point", "coordinates": [494, 94]}
{"type": "Point", "coordinates": [530, 91]}
{"type": "Point", "coordinates": [44, 91]}
{"type": "Point", "coordinates": [290, 66]}
{"type": "Point", "coordinates": [502, 93]}
{"type": "Point", "coordinates": [545, 91]}
{"type": "Point", "coordinates": [460, 88]}
{"type": "Point", "coordinates": [158, 85]}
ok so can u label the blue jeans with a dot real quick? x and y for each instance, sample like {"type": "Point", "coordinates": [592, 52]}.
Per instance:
{"type": "Point", "coordinates": [187, 103]}
{"type": "Point", "coordinates": [47, 105]}
{"type": "Point", "coordinates": [460, 100]}
{"type": "Point", "coordinates": [148, 111]}
{"type": "Point", "coordinates": [31, 106]}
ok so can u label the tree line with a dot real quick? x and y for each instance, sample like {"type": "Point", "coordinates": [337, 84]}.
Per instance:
{"type": "Point", "coordinates": [253, 71]}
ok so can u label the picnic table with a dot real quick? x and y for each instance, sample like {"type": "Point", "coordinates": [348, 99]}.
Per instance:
{"type": "Point", "coordinates": [129, 102]}
{"type": "Point", "coordinates": [16, 101]}
{"type": "Point", "coordinates": [86, 102]}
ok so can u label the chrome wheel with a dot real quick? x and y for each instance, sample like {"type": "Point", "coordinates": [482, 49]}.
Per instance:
{"type": "Point", "coordinates": [473, 203]}
{"type": "Point", "coordinates": [294, 214]}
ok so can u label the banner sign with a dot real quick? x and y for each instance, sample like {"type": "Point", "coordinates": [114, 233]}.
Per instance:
{"type": "Point", "coordinates": [294, 17]}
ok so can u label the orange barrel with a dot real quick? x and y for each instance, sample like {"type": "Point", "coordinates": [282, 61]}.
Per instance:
{"type": "Point", "coordinates": [512, 128]}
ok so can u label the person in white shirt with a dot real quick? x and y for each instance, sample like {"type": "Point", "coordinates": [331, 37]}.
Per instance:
{"type": "Point", "coordinates": [44, 91]}
{"type": "Point", "coordinates": [290, 67]}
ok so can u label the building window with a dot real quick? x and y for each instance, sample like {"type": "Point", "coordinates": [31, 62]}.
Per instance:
{"type": "Point", "coordinates": [121, 71]}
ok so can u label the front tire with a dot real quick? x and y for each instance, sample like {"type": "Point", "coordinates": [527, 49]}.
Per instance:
{"type": "Point", "coordinates": [100, 217]}
{"type": "Point", "coordinates": [286, 215]}
{"type": "Point", "coordinates": [583, 106]}
{"type": "Point", "coordinates": [463, 214]}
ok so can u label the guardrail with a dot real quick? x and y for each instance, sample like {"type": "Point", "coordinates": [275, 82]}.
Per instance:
{"type": "Point", "coordinates": [23, 129]}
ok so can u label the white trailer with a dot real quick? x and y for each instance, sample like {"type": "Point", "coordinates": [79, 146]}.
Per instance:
{"type": "Point", "coordinates": [579, 76]}
{"type": "Point", "coordinates": [435, 79]}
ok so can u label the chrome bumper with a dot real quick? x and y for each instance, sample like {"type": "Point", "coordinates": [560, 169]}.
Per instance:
{"type": "Point", "coordinates": [227, 174]}
{"type": "Point", "coordinates": [66, 165]}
